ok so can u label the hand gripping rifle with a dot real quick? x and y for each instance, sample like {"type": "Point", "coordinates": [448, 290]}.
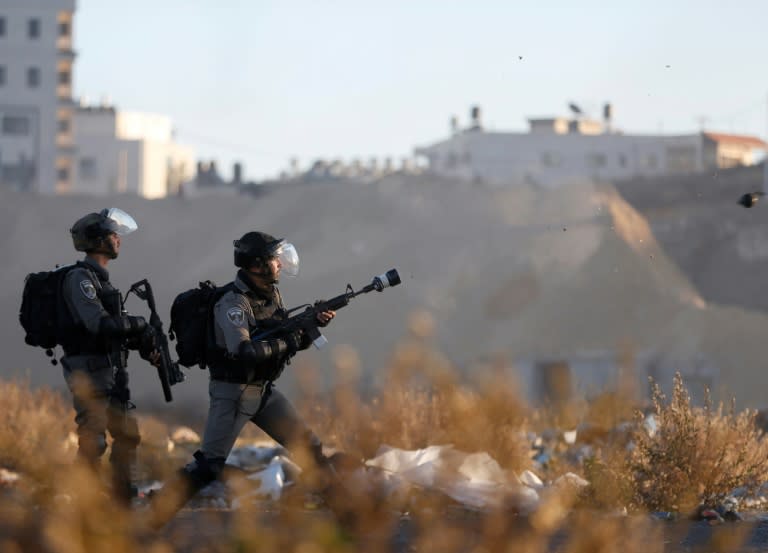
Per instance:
{"type": "Point", "coordinates": [167, 369]}
{"type": "Point", "coordinates": [307, 319]}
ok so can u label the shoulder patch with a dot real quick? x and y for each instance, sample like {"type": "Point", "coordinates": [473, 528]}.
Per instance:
{"type": "Point", "coordinates": [236, 316]}
{"type": "Point", "coordinates": [88, 289]}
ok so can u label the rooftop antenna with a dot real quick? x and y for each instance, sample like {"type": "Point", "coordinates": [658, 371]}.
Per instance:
{"type": "Point", "coordinates": [474, 116]}
{"type": "Point", "coordinates": [607, 116]}
{"type": "Point", "coordinates": [576, 110]}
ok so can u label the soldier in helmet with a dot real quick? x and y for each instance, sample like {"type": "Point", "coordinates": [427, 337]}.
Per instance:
{"type": "Point", "coordinates": [95, 355]}
{"type": "Point", "coordinates": [243, 370]}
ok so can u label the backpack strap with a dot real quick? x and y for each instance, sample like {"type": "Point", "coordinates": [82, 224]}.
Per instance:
{"type": "Point", "coordinates": [212, 351]}
{"type": "Point", "coordinates": [91, 273]}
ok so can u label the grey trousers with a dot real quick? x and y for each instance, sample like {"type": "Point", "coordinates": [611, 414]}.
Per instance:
{"type": "Point", "coordinates": [98, 409]}
{"type": "Point", "coordinates": [232, 405]}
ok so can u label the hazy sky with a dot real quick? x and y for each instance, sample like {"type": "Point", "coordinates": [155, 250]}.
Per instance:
{"type": "Point", "coordinates": [263, 81]}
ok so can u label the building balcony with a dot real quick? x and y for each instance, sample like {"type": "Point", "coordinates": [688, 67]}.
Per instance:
{"type": "Point", "coordinates": [66, 149]}
{"type": "Point", "coordinates": [64, 42]}
{"type": "Point", "coordinates": [66, 54]}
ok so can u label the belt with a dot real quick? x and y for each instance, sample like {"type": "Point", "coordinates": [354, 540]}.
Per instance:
{"type": "Point", "coordinates": [95, 361]}
{"type": "Point", "coordinates": [236, 379]}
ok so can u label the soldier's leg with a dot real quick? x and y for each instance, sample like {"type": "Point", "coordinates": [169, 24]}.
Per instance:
{"type": "Point", "coordinates": [90, 399]}
{"type": "Point", "coordinates": [124, 428]}
{"type": "Point", "coordinates": [279, 419]}
{"type": "Point", "coordinates": [282, 423]}
{"type": "Point", "coordinates": [230, 407]}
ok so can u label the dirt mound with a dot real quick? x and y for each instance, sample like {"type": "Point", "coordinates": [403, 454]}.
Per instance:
{"type": "Point", "coordinates": [524, 271]}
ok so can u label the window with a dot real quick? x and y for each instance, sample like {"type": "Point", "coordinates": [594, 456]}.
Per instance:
{"type": "Point", "coordinates": [33, 77]}
{"type": "Point", "coordinates": [33, 28]}
{"type": "Point", "coordinates": [596, 160]}
{"type": "Point", "coordinates": [64, 126]}
{"type": "Point", "coordinates": [551, 159]}
{"type": "Point", "coordinates": [15, 125]}
{"type": "Point", "coordinates": [2, 26]}
{"type": "Point", "coordinates": [65, 77]}
{"type": "Point", "coordinates": [64, 29]}
{"type": "Point", "coordinates": [87, 168]}
{"type": "Point", "coordinates": [2, 75]}
{"type": "Point", "coordinates": [63, 173]}
{"type": "Point", "coordinates": [681, 158]}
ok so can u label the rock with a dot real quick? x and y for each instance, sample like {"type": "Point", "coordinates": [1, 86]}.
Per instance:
{"type": "Point", "coordinates": [9, 478]}
{"type": "Point", "coordinates": [571, 479]}
{"type": "Point", "coordinates": [185, 435]}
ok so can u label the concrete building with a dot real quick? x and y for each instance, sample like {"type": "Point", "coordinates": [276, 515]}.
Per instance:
{"type": "Point", "coordinates": [128, 152]}
{"type": "Point", "coordinates": [559, 150]}
{"type": "Point", "coordinates": [36, 107]}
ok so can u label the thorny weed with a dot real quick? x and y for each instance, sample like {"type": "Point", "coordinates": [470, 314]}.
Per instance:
{"type": "Point", "coordinates": [696, 454]}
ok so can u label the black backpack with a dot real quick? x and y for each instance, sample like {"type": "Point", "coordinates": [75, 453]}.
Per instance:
{"type": "Point", "coordinates": [191, 322]}
{"type": "Point", "coordinates": [44, 314]}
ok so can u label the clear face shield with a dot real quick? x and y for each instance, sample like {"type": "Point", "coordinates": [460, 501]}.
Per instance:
{"type": "Point", "coordinates": [119, 222]}
{"type": "Point", "coordinates": [289, 259]}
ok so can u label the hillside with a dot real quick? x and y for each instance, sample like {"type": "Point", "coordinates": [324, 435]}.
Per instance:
{"type": "Point", "coordinates": [523, 272]}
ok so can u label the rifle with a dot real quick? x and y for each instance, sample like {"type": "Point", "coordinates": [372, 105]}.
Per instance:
{"type": "Point", "coordinates": [307, 319]}
{"type": "Point", "coordinates": [167, 369]}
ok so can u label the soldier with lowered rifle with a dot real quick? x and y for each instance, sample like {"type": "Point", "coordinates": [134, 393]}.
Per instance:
{"type": "Point", "coordinates": [96, 350]}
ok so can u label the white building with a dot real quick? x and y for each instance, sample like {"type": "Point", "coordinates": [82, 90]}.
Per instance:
{"type": "Point", "coordinates": [128, 152]}
{"type": "Point", "coordinates": [36, 106]}
{"type": "Point", "coordinates": [556, 151]}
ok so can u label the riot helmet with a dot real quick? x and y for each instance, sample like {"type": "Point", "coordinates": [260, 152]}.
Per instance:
{"type": "Point", "coordinates": [255, 248]}
{"type": "Point", "coordinates": [90, 231]}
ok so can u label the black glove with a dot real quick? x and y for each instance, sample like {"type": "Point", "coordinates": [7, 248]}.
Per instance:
{"type": "Point", "coordinates": [147, 342]}
{"type": "Point", "coordinates": [295, 341]}
{"type": "Point", "coordinates": [122, 326]}
{"type": "Point", "coordinates": [138, 324]}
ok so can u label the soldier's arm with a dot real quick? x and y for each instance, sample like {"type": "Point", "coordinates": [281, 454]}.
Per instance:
{"type": "Point", "coordinates": [81, 297]}
{"type": "Point", "coordinates": [233, 316]}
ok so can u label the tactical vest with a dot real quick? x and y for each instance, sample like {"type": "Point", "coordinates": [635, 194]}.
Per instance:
{"type": "Point", "coordinates": [82, 341]}
{"type": "Point", "coordinates": [224, 367]}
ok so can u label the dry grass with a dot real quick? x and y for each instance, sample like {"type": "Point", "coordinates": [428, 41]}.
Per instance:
{"type": "Point", "coordinates": [35, 427]}
{"type": "Point", "coordinates": [696, 455]}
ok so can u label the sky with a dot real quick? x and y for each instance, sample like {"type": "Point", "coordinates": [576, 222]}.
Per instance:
{"type": "Point", "coordinates": [264, 81]}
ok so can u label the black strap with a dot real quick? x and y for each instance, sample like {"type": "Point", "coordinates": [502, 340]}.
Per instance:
{"type": "Point", "coordinates": [265, 393]}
